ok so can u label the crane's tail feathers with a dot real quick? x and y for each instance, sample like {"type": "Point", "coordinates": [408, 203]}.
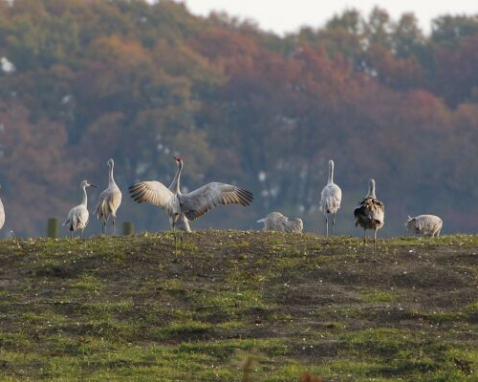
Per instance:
{"type": "Point", "coordinates": [105, 210]}
{"type": "Point", "coordinates": [261, 220]}
{"type": "Point", "coordinates": [99, 211]}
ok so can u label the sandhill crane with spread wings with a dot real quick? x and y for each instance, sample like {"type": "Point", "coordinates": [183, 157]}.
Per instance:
{"type": "Point", "coordinates": [370, 213]}
{"type": "Point", "coordinates": [79, 215]}
{"type": "Point", "coordinates": [109, 200]}
{"type": "Point", "coordinates": [330, 198]}
{"type": "Point", "coordinates": [181, 208]}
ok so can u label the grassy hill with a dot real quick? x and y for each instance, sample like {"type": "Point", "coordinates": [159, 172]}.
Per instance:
{"type": "Point", "coordinates": [238, 306]}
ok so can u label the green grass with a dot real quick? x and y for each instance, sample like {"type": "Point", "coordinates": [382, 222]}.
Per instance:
{"type": "Point", "coordinates": [271, 304]}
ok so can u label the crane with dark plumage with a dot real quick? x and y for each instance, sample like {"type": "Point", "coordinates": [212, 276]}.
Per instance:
{"type": "Point", "coordinates": [370, 213]}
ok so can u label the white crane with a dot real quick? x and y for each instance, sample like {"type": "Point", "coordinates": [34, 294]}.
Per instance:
{"type": "Point", "coordinates": [426, 225]}
{"type": "Point", "coordinates": [109, 200]}
{"type": "Point", "coordinates": [2, 213]}
{"type": "Point", "coordinates": [184, 207]}
{"type": "Point", "coordinates": [370, 213]}
{"type": "Point", "coordinates": [79, 215]}
{"type": "Point", "coordinates": [275, 221]}
{"type": "Point", "coordinates": [330, 198]}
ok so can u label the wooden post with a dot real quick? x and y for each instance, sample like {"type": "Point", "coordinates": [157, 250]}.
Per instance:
{"type": "Point", "coordinates": [128, 228]}
{"type": "Point", "coordinates": [52, 228]}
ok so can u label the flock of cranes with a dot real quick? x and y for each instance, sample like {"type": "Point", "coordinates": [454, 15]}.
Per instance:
{"type": "Point", "coordinates": [185, 207]}
{"type": "Point", "coordinates": [369, 214]}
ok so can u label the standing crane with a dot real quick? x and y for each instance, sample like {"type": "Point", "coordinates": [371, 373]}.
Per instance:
{"type": "Point", "coordinates": [330, 198]}
{"type": "Point", "coordinates": [370, 213]}
{"type": "Point", "coordinates": [2, 213]}
{"type": "Point", "coordinates": [79, 215]}
{"type": "Point", "coordinates": [109, 200]}
{"type": "Point", "coordinates": [184, 207]}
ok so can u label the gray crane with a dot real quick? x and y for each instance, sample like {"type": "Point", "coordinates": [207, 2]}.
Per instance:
{"type": "Point", "coordinates": [370, 213]}
{"type": "Point", "coordinates": [181, 208]}
{"type": "Point", "coordinates": [330, 198]}
{"type": "Point", "coordinates": [79, 215]}
{"type": "Point", "coordinates": [275, 221]}
{"type": "Point", "coordinates": [109, 200]}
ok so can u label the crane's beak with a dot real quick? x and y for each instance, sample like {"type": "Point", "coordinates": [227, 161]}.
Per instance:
{"type": "Point", "coordinates": [92, 185]}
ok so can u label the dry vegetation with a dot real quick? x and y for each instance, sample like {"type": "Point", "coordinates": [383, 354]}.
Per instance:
{"type": "Point", "coordinates": [238, 306]}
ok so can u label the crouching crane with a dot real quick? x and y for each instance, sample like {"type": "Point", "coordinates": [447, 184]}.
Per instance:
{"type": "Point", "coordinates": [275, 221]}
{"type": "Point", "coordinates": [426, 225]}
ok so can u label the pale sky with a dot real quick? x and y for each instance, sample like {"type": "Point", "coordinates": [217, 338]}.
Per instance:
{"type": "Point", "coordinates": [283, 16]}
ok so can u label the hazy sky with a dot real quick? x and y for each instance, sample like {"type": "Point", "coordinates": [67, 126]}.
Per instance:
{"type": "Point", "coordinates": [288, 15]}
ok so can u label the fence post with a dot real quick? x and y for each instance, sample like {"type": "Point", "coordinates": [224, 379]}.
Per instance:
{"type": "Point", "coordinates": [52, 228]}
{"type": "Point", "coordinates": [128, 228]}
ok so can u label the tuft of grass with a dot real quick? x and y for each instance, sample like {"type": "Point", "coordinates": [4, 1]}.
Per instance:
{"type": "Point", "coordinates": [88, 283]}
{"type": "Point", "coordinates": [377, 297]}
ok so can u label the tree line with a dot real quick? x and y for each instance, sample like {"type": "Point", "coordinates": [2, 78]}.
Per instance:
{"type": "Point", "coordinates": [82, 81]}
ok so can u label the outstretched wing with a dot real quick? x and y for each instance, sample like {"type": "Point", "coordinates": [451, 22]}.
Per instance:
{"type": "Point", "coordinates": [197, 203]}
{"type": "Point", "coordinates": [153, 192]}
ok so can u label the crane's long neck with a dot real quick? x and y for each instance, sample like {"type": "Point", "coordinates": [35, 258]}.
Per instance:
{"type": "Point", "coordinates": [331, 173]}
{"type": "Point", "coordinates": [371, 190]}
{"type": "Point", "coordinates": [111, 179]}
{"type": "Point", "coordinates": [85, 197]}
{"type": "Point", "coordinates": [175, 184]}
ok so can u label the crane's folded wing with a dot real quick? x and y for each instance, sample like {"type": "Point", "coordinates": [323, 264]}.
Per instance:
{"type": "Point", "coordinates": [371, 209]}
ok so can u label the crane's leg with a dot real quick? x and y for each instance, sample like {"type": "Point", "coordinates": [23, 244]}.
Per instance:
{"type": "Point", "coordinates": [114, 225]}
{"type": "Point", "coordinates": [103, 227]}
{"type": "Point", "coordinates": [363, 247]}
{"type": "Point", "coordinates": [175, 240]}
{"type": "Point", "coordinates": [185, 223]}
{"type": "Point", "coordinates": [375, 237]}
{"type": "Point", "coordinates": [176, 243]}
{"type": "Point", "coordinates": [82, 231]}
{"type": "Point", "coordinates": [333, 223]}
{"type": "Point", "coordinates": [326, 225]}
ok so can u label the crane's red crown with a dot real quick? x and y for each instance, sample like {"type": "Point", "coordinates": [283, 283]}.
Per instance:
{"type": "Point", "coordinates": [179, 159]}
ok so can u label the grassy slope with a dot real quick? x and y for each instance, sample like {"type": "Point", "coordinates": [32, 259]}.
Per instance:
{"type": "Point", "coordinates": [120, 309]}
